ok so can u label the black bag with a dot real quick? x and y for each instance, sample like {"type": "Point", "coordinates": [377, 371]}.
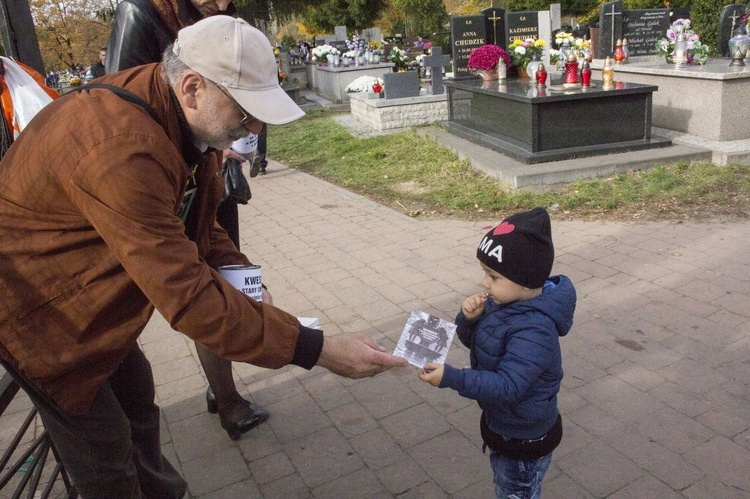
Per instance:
{"type": "Point", "coordinates": [236, 187]}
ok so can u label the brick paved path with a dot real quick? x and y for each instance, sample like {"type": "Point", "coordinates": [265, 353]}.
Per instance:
{"type": "Point", "coordinates": [655, 399]}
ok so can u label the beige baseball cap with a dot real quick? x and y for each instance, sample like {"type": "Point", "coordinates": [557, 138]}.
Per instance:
{"type": "Point", "coordinates": [237, 56]}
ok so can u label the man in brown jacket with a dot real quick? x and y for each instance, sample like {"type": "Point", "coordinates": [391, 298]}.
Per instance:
{"type": "Point", "coordinates": [103, 223]}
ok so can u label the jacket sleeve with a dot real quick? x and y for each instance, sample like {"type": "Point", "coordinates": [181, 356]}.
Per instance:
{"type": "Point", "coordinates": [134, 39]}
{"type": "Point", "coordinates": [465, 328]}
{"type": "Point", "coordinates": [528, 354]}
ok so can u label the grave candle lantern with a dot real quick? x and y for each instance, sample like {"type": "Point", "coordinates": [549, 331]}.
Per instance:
{"type": "Point", "coordinates": [608, 74]}
{"type": "Point", "coordinates": [619, 53]}
{"type": "Point", "coordinates": [586, 73]}
{"type": "Point", "coordinates": [541, 75]}
{"type": "Point", "coordinates": [571, 71]}
{"type": "Point", "coordinates": [680, 49]}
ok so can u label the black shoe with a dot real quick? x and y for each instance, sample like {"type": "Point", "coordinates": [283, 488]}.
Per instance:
{"type": "Point", "coordinates": [238, 416]}
{"type": "Point", "coordinates": [262, 170]}
{"type": "Point", "coordinates": [255, 167]}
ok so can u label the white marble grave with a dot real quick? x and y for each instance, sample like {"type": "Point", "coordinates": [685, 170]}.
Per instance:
{"type": "Point", "coordinates": [705, 101]}
{"type": "Point", "coordinates": [389, 114]}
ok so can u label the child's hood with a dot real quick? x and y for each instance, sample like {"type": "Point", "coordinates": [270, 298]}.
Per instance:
{"type": "Point", "coordinates": [557, 301]}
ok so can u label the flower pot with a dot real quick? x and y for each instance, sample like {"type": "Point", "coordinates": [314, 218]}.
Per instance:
{"type": "Point", "coordinates": [487, 75]}
{"type": "Point", "coordinates": [522, 74]}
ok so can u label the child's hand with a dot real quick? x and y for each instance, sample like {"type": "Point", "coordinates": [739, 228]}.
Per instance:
{"type": "Point", "coordinates": [474, 305]}
{"type": "Point", "coordinates": [432, 374]}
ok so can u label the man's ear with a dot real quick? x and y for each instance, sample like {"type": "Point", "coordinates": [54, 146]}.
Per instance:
{"type": "Point", "coordinates": [189, 85]}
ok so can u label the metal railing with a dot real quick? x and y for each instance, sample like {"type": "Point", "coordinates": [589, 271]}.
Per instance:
{"type": "Point", "coordinates": [30, 466]}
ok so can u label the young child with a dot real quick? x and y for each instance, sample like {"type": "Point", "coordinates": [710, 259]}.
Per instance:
{"type": "Point", "coordinates": [513, 330]}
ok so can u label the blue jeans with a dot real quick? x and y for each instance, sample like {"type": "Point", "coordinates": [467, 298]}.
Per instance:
{"type": "Point", "coordinates": [518, 479]}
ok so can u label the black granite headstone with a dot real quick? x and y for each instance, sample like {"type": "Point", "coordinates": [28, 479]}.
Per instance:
{"type": "Point", "coordinates": [521, 25]}
{"type": "Point", "coordinates": [400, 85]}
{"type": "Point", "coordinates": [339, 45]}
{"type": "Point", "coordinates": [729, 20]}
{"type": "Point", "coordinates": [610, 27]}
{"type": "Point", "coordinates": [643, 28]}
{"type": "Point", "coordinates": [467, 33]}
{"type": "Point", "coordinates": [436, 62]}
{"type": "Point", "coordinates": [495, 25]}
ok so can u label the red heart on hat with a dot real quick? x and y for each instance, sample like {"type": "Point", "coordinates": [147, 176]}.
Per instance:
{"type": "Point", "coordinates": [503, 228]}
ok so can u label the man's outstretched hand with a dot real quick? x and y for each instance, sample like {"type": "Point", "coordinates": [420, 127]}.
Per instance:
{"type": "Point", "coordinates": [356, 355]}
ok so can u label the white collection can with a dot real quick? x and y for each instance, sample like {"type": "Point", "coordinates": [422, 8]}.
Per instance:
{"type": "Point", "coordinates": [246, 278]}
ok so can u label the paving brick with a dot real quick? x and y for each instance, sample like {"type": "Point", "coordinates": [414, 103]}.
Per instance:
{"type": "Point", "coordinates": [285, 488]}
{"type": "Point", "coordinates": [322, 457]}
{"type": "Point", "coordinates": [352, 419]}
{"type": "Point", "coordinates": [377, 448]}
{"type": "Point", "coordinates": [360, 484]}
{"type": "Point", "coordinates": [415, 425]}
{"type": "Point", "coordinates": [208, 473]}
{"type": "Point", "coordinates": [724, 459]}
{"type": "Point", "coordinates": [402, 476]}
{"type": "Point", "coordinates": [290, 423]}
{"type": "Point", "coordinates": [600, 469]}
{"type": "Point", "coordinates": [270, 468]}
{"type": "Point", "coordinates": [384, 395]}
{"type": "Point", "coordinates": [452, 461]}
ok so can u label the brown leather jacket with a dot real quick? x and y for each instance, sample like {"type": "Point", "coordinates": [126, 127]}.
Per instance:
{"type": "Point", "coordinates": [91, 242]}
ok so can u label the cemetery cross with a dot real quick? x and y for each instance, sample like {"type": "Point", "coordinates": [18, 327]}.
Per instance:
{"type": "Point", "coordinates": [494, 20]}
{"type": "Point", "coordinates": [613, 14]}
{"type": "Point", "coordinates": [436, 61]}
{"type": "Point", "coordinates": [734, 18]}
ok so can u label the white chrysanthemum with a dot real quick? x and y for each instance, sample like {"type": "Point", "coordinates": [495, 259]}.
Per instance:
{"type": "Point", "coordinates": [362, 84]}
{"type": "Point", "coordinates": [520, 50]}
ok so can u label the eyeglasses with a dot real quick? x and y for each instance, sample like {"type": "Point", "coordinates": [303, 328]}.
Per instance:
{"type": "Point", "coordinates": [247, 118]}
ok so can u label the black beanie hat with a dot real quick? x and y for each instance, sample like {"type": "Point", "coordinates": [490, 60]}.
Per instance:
{"type": "Point", "coordinates": [520, 248]}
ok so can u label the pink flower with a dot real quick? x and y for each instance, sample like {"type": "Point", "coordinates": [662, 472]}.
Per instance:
{"type": "Point", "coordinates": [487, 57]}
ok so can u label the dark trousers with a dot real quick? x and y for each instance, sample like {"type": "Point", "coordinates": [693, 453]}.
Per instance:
{"type": "Point", "coordinates": [262, 142]}
{"type": "Point", "coordinates": [114, 450]}
{"type": "Point", "coordinates": [228, 217]}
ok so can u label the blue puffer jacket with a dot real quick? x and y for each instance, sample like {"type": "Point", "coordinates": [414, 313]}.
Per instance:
{"type": "Point", "coordinates": [516, 366]}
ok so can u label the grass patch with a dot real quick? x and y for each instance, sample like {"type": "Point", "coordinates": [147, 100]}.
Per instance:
{"type": "Point", "coordinates": [415, 175]}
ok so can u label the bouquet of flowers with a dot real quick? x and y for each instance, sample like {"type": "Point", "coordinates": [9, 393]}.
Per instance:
{"type": "Point", "coordinates": [696, 51]}
{"type": "Point", "coordinates": [320, 53]}
{"type": "Point", "coordinates": [554, 56]}
{"type": "Point", "coordinates": [521, 51]}
{"type": "Point", "coordinates": [363, 84]}
{"type": "Point", "coordinates": [356, 44]}
{"type": "Point", "coordinates": [487, 57]}
{"type": "Point", "coordinates": [399, 58]}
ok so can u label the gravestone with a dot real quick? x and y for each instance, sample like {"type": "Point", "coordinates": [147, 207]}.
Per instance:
{"type": "Point", "coordinates": [610, 27]}
{"type": "Point", "coordinates": [521, 25]}
{"type": "Point", "coordinates": [679, 13]}
{"type": "Point", "coordinates": [643, 28]}
{"type": "Point", "coordinates": [495, 25]}
{"type": "Point", "coordinates": [284, 63]}
{"type": "Point", "coordinates": [555, 17]}
{"type": "Point", "coordinates": [467, 33]}
{"type": "Point", "coordinates": [340, 32]}
{"type": "Point", "coordinates": [339, 45]}
{"type": "Point", "coordinates": [400, 85]}
{"type": "Point", "coordinates": [729, 21]}
{"type": "Point", "coordinates": [371, 34]}
{"type": "Point", "coordinates": [436, 61]}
